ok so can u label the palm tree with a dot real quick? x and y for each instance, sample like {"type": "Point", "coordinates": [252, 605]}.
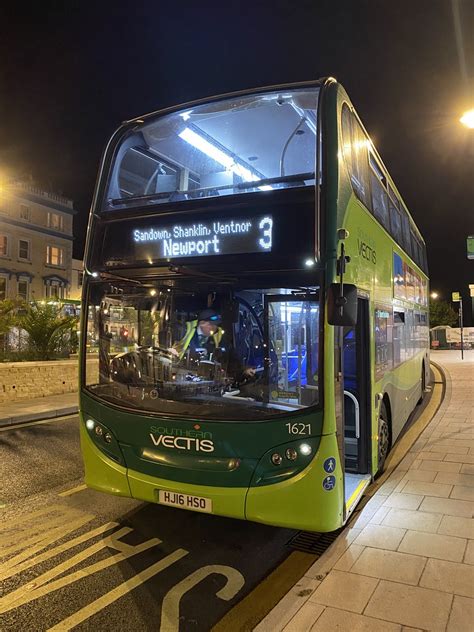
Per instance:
{"type": "Point", "coordinates": [8, 318]}
{"type": "Point", "coordinates": [49, 332]}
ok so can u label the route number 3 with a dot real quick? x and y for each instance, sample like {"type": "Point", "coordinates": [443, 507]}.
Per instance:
{"type": "Point", "coordinates": [266, 225]}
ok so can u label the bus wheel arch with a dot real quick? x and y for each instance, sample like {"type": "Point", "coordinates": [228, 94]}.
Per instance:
{"type": "Point", "coordinates": [384, 432]}
{"type": "Point", "coordinates": [423, 382]}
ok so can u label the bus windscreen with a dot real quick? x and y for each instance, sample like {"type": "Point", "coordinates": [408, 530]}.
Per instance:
{"type": "Point", "coordinates": [251, 355]}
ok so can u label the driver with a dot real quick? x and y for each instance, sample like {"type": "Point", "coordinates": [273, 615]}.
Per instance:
{"type": "Point", "coordinates": [204, 333]}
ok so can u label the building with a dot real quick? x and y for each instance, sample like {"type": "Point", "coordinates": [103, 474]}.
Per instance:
{"type": "Point", "coordinates": [76, 280]}
{"type": "Point", "coordinates": [36, 234]}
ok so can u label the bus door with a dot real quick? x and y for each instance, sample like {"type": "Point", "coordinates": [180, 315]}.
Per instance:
{"type": "Point", "coordinates": [357, 418]}
{"type": "Point", "coordinates": [292, 330]}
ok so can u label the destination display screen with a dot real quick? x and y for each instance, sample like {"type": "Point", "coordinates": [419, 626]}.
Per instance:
{"type": "Point", "coordinates": [234, 235]}
{"type": "Point", "coordinates": [272, 232]}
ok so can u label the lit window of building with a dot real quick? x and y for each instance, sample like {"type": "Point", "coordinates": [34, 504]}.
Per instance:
{"type": "Point", "coordinates": [3, 246]}
{"type": "Point", "coordinates": [54, 255]}
{"type": "Point", "coordinates": [54, 291]}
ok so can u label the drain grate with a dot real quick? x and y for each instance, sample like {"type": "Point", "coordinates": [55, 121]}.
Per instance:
{"type": "Point", "coordinates": [315, 543]}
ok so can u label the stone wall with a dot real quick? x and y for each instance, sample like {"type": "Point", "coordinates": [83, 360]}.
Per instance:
{"type": "Point", "coordinates": [24, 380]}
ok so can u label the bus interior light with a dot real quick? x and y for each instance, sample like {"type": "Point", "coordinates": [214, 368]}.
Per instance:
{"type": "Point", "coordinates": [220, 156]}
{"type": "Point", "coordinates": [305, 449]}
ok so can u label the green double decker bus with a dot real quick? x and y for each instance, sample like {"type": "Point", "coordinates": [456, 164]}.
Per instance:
{"type": "Point", "coordinates": [255, 324]}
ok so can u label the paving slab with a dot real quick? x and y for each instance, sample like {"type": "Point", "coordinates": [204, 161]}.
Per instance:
{"type": "Point", "coordinates": [410, 605]}
{"type": "Point", "coordinates": [354, 591]}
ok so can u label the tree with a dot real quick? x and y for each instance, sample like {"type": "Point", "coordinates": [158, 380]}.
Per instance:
{"type": "Point", "coordinates": [441, 313]}
{"type": "Point", "coordinates": [8, 314]}
{"type": "Point", "coordinates": [49, 332]}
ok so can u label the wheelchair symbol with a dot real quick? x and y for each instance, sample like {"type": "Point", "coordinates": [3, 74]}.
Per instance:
{"type": "Point", "coordinates": [329, 483]}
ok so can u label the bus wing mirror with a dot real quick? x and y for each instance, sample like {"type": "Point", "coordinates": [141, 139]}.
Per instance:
{"type": "Point", "coordinates": [342, 310]}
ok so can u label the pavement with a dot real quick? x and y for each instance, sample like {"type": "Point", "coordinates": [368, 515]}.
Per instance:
{"type": "Point", "coordinates": [37, 408]}
{"type": "Point", "coordinates": [407, 561]}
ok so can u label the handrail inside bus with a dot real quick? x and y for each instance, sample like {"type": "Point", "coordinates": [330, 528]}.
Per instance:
{"type": "Point", "coordinates": [356, 412]}
{"type": "Point", "coordinates": [242, 185]}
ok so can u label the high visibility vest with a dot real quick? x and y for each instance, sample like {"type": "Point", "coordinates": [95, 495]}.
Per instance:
{"type": "Point", "coordinates": [191, 327]}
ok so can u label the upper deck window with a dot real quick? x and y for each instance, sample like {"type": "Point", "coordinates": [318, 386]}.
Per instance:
{"type": "Point", "coordinates": [244, 144]}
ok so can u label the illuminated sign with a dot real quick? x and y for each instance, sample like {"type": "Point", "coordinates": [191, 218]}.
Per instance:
{"type": "Point", "coordinates": [470, 247]}
{"type": "Point", "coordinates": [213, 237]}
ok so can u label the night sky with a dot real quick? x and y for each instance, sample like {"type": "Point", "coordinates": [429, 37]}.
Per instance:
{"type": "Point", "coordinates": [71, 72]}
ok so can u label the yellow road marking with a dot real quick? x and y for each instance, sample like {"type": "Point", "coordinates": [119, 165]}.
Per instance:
{"type": "Point", "coordinates": [170, 605]}
{"type": "Point", "coordinates": [74, 490]}
{"type": "Point", "coordinates": [121, 590]}
{"type": "Point", "coordinates": [36, 588]}
{"type": "Point", "coordinates": [39, 531]}
{"type": "Point", "coordinates": [254, 606]}
{"type": "Point", "coordinates": [45, 511]}
{"type": "Point", "coordinates": [20, 562]}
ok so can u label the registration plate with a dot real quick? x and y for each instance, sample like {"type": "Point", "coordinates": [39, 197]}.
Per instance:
{"type": "Point", "coordinates": [185, 501]}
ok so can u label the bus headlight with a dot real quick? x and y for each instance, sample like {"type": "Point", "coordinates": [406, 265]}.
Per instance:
{"type": "Point", "coordinates": [105, 440]}
{"type": "Point", "coordinates": [285, 460]}
{"type": "Point", "coordinates": [291, 454]}
{"type": "Point", "coordinates": [276, 458]}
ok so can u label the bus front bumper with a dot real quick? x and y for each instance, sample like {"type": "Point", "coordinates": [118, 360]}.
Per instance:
{"type": "Point", "coordinates": [300, 502]}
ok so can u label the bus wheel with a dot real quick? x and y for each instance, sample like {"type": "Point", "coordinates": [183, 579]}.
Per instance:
{"type": "Point", "coordinates": [383, 437]}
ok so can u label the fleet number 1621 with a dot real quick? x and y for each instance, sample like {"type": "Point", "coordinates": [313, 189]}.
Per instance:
{"type": "Point", "coordinates": [299, 428]}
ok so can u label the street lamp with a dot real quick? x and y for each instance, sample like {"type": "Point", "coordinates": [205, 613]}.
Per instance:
{"type": "Point", "coordinates": [467, 119]}
{"type": "Point", "coordinates": [434, 295]}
